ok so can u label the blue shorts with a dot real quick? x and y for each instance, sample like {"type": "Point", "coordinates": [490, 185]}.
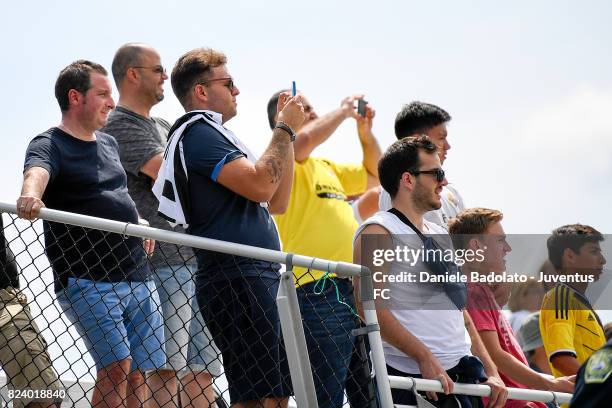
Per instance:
{"type": "Point", "coordinates": [117, 321]}
{"type": "Point", "coordinates": [188, 342]}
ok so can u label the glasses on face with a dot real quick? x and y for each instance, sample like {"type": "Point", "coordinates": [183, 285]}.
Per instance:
{"type": "Point", "coordinates": [158, 69]}
{"type": "Point", "coordinates": [437, 173]}
{"type": "Point", "coordinates": [230, 82]}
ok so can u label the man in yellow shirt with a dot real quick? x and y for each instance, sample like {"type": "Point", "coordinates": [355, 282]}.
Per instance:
{"type": "Point", "coordinates": [571, 329]}
{"type": "Point", "coordinates": [319, 222]}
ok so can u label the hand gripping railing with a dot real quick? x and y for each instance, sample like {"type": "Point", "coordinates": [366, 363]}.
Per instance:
{"type": "Point", "coordinates": [479, 390]}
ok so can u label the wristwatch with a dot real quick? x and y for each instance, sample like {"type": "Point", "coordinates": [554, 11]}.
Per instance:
{"type": "Point", "coordinates": [286, 128]}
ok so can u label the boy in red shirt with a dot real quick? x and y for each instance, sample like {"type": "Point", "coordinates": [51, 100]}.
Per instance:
{"type": "Point", "coordinates": [480, 229]}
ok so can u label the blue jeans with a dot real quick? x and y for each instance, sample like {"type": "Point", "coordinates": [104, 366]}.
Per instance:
{"type": "Point", "coordinates": [327, 326]}
{"type": "Point", "coordinates": [188, 342]}
{"type": "Point", "coordinates": [117, 321]}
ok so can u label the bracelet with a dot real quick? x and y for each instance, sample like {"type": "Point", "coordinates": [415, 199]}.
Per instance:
{"type": "Point", "coordinates": [286, 128]}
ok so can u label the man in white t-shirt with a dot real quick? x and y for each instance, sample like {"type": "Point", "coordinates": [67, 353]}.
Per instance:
{"type": "Point", "coordinates": [425, 334]}
{"type": "Point", "coordinates": [420, 118]}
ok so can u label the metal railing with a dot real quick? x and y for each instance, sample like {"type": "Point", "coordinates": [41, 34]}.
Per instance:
{"type": "Point", "coordinates": [289, 311]}
{"type": "Point", "coordinates": [478, 390]}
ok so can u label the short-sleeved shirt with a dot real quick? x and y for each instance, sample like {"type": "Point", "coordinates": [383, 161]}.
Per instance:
{"type": "Point", "coordinates": [487, 316]}
{"type": "Point", "coordinates": [219, 213]}
{"type": "Point", "coordinates": [9, 275]}
{"type": "Point", "coordinates": [319, 222]}
{"type": "Point", "coordinates": [140, 139]}
{"type": "Point", "coordinates": [569, 325]}
{"type": "Point", "coordinates": [86, 177]}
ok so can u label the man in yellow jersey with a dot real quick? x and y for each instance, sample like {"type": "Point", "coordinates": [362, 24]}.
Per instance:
{"type": "Point", "coordinates": [319, 222]}
{"type": "Point", "coordinates": [571, 329]}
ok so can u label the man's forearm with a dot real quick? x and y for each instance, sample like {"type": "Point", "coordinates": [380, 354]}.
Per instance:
{"type": "Point", "coordinates": [478, 348]}
{"type": "Point", "coordinates": [34, 182]}
{"type": "Point", "coordinates": [280, 200]}
{"type": "Point", "coordinates": [515, 369]}
{"type": "Point", "coordinates": [371, 154]}
{"type": "Point", "coordinates": [276, 159]}
{"type": "Point", "coordinates": [316, 132]}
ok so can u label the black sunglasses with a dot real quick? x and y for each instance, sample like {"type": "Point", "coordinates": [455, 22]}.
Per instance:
{"type": "Point", "coordinates": [438, 173]}
{"type": "Point", "coordinates": [158, 69]}
{"type": "Point", "coordinates": [229, 84]}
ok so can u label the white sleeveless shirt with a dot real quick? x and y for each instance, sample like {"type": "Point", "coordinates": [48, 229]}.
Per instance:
{"type": "Point", "coordinates": [426, 311]}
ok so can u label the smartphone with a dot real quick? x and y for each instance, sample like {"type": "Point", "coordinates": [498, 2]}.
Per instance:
{"type": "Point", "coordinates": [293, 88]}
{"type": "Point", "coordinates": [361, 107]}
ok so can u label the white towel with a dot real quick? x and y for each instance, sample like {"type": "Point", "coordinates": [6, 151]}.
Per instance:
{"type": "Point", "coordinates": [170, 187]}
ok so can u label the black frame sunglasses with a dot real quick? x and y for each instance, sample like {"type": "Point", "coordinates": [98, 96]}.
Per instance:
{"type": "Point", "coordinates": [437, 173]}
{"type": "Point", "coordinates": [229, 84]}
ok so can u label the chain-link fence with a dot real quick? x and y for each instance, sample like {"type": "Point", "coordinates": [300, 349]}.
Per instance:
{"type": "Point", "coordinates": [97, 322]}
{"type": "Point", "coordinates": [87, 320]}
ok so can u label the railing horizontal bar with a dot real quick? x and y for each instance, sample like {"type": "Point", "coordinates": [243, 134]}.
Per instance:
{"type": "Point", "coordinates": [340, 268]}
{"type": "Point", "coordinates": [479, 390]}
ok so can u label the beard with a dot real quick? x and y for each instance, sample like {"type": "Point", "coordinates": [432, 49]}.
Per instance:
{"type": "Point", "coordinates": [425, 200]}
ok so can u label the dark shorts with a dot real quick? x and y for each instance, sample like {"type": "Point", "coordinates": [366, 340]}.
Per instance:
{"type": "Point", "coordinates": [242, 317]}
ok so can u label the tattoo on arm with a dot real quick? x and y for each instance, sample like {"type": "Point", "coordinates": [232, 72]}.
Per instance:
{"type": "Point", "coordinates": [274, 168]}
{"type": "Point", "coordinates": [275, 156]}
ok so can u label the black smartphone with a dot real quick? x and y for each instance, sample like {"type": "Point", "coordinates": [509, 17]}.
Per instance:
{"type": "Point", "coordinates": [361, 107]}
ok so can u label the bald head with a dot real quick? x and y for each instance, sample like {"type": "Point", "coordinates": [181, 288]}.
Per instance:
{"type": "Point", "coordinates": [127, 56]}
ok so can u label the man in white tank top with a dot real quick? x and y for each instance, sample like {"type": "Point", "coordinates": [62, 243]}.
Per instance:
{"type": "Point", "coordinates": [418, 118]}
{"type": "Point", "coordinates": [428, 336]}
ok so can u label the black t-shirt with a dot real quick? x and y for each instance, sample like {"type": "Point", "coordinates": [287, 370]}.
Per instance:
{"type": "Point", "coordinates": [219, 213]}
{"type": "Point", "coordinates": [86, 177]}
{"type": "Point", "coordinates": [9, 275]}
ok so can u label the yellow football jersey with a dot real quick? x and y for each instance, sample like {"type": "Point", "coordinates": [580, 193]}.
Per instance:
{"type": "Point", "coordinates": [569, 325]}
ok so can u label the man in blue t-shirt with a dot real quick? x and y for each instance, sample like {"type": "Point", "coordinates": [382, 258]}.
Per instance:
{"type": "Point", "coordinates": [102, 280]}
{"type": "Point", "coordinates": [192, 357]}
{"type": "Point", "coordinates": [228, 195]}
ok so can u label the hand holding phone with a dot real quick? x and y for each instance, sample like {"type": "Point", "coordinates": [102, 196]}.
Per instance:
{"type": "Point", "coordinates": [361, 107]}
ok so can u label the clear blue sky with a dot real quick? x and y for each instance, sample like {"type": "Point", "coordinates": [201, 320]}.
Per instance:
{"type": "Point", "coordinates": [528, 83]}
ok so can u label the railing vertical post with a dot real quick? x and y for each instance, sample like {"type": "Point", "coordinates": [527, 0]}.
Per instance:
{"type": "Point", "coordinates": [295, 340]}
{"type": "Point", "coordinates": [378, 357]}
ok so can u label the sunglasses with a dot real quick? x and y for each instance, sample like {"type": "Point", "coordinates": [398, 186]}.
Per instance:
{"type": "Point", "coordinates": [229, 84]}
{"type": "Point", "coordinates": [437, 173]}
{"type": "Point", "coordinates": [158, 69]}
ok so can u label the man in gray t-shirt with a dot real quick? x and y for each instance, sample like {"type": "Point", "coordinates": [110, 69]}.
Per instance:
{"type": "Point", "coordinates": [140, 140]}
{"type": "Point", "coordinates": [139, 76]}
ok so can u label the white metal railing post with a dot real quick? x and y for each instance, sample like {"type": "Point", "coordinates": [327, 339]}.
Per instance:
{"type": "Point", "coordinates": [295, 340]}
